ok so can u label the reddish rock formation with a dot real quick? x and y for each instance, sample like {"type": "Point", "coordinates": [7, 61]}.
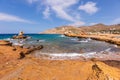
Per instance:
{"type": "Point", "coordinates": [4, 43]}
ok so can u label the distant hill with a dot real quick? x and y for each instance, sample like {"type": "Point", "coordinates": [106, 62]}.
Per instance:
{"type": "Point", "coordinates": [85, 29]}
{"type": "Point", "coordinates": [101, 28]}
{"type": "Point", "coordinates": [63, 30]}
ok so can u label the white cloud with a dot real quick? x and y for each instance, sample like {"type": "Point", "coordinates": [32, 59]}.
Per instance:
{"type": "Point", "coordinates": [77, 24]}
{"type": "Point", "coordinates": [60, 7]}
{"type": "Point", "coordinates": [116, 21]}
{"type": "Point", "coordinates": [46, 13]}
{"type": "Point", "coordinates": [89, 7]}
{"type": "Point", "coordinates": [12, 18]}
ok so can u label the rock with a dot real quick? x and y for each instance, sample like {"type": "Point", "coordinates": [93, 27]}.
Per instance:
{"type": "Point", "coordinates": [4, 43]}
{"type": "Point", "coordinates": [22, 55]}
{"type": "Point", "coordinates": [14, 49]}
{"type": "Point", "coordinates": [20, 36]}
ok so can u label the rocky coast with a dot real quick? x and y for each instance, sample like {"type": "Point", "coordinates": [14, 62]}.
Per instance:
{"type": "Point", "coordinates": [110, 38]}
{"type": "Point", "coordinates": [15, 64]}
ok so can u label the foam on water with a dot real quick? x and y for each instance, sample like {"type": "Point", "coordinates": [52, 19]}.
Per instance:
{"type": "Point", "coordinates": [84, 41]}
{"type": "Point", "coordinates": [19, 44]}
{"type": "Point", "coordinates": [65, 55]}
{"type": "Point", "coordinates": [70, 56]}
{"type": "Point", "coordinates": [62, 36]}
{"type": "Point", "coordinates": [74, 39]}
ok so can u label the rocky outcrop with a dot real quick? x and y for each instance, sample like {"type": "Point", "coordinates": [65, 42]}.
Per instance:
{"type": "Point", "coordinates": [4, 43]}
{"type": "Point", "coordinates": [41, 69]}
{"type": "Point", "coordinates": [110, 38]}
{"type": "Point", "coordinates": [20, 36]}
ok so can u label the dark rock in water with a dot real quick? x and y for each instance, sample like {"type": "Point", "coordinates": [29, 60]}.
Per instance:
{"type": "Point", "coordinates": [5, 43]}
{"type": "Point", "coordinates": [39, 47]}
{"type": "Point", "coordinates": [20, 36]}
{"type": "Point", "coordinates": [37, 40]}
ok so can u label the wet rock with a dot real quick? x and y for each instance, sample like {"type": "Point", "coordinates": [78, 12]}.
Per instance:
{"type": "Point", "coordinates": [33, 48]}
{"type": "Point", "coordinates": [39, 47]}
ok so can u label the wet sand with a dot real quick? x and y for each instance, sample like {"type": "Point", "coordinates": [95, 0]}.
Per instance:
{"type": "Point", "coordinates": [31, 68]}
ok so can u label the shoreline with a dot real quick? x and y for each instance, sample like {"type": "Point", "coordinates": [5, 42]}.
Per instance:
{"type": "Point", "coordinates": [109, 38]}
{"type": "Point", "coordinates": [12, 67]}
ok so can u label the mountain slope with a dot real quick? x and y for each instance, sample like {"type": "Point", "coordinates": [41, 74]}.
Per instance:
{"type": "Point", "coordinates": [84, 29]}
{"type": "Point", "coordinates": [63, 30]}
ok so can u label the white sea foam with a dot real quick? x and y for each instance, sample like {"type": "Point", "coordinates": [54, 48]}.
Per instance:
{"type": "Point", "coordinates": [67, 55]}
{"type": "Point", "coordinates": [84, 41]}
{"type": "Point", "coordinates": [19, 44]}
{"type": "Point", "coordinates": [74, 39]}
{"type": "Point", "coordinates": [41, 40]}
{"type": "Point", "coordinates": [62, 35]}
{"type": "Point", "coordinates": [8, 39]}
{"type": "Point", "coordinates": [115, 46]}
{"type": "Point", "coordinates": [107, 50]}
{"type": "Point", "coordinates": [89, 39]}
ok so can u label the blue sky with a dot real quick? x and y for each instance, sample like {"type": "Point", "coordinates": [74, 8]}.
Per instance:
{"type": "Point", "coordinates": [33, 16]}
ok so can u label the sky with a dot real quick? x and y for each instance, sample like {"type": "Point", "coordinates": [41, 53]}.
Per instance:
{"type": "Point", "coordinates": [33, 16]}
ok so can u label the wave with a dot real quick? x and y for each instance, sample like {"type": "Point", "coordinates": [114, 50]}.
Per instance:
{"type": "Point", "coordinates": [62, 36]}
{"type": "Point", "coordinates": [74, 56]}
{"type": "Point", "coordinates": [41, 40]}
{"type": "Point", "coordinates": [74, 39]}
{"type": "Point", "coordinates": [19, 44]}
{"type": "Point", "coordinates": [84, 41]}
{"type": "Point", "coordinates": [66, 55]}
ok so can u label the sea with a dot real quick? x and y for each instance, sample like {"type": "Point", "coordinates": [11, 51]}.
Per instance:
{"type": "Point", "coordinates": [57, 46]}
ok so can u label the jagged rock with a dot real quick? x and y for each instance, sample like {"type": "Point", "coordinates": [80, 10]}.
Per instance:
{"type": "Point", "coordinates": [20, 36]}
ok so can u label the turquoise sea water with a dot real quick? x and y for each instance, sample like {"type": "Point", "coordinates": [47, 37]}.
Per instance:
{"type": "Point", "coordinates": [60, 45]}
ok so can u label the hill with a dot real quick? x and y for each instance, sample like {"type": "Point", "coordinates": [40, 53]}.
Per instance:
{"type": "Point", "coordinates": [85, 29]}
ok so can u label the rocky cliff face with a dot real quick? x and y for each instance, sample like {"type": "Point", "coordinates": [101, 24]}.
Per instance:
{"type": "Point", "coordinates": [84, 29]}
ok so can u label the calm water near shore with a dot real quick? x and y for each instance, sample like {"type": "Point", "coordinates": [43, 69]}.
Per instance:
{"type": "Point", "coordinates": [58, 46]}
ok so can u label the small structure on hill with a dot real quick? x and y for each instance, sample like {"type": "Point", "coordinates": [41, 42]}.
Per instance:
{"type": "Point", "coordinates": [20, 36]}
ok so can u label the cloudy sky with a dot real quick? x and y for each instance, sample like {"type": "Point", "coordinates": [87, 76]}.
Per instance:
{"type": "Point", "coordinates": [34, 16]}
